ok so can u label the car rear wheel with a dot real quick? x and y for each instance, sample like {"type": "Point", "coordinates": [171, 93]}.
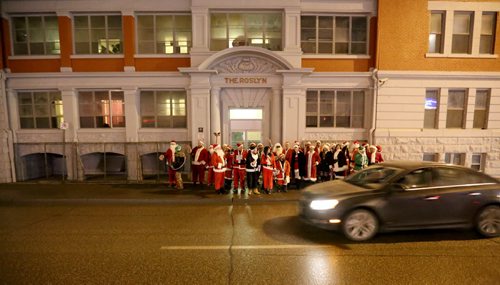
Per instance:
{"type": "Point", "coordinates": [360, 225]}
{"type": "Point", "coordinates": [488, 221]}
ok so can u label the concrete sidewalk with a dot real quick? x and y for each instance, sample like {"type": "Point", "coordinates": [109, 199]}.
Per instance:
{"type": "Point", "coordinates": [93, 193]}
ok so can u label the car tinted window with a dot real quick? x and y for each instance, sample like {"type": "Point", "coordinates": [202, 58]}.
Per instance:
{"type": "Point", "coordinates": [417, 179]}
{"type": "Point", "coordinates": [372, 177]}
{"type": "Point", "coordinates": [453, 176]}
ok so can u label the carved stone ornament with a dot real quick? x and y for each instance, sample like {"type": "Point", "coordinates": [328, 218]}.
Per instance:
{"type": "Point", "coordinates": [246, 64]}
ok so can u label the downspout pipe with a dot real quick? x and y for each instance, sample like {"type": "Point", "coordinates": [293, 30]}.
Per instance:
{"type": "Point", "coordinates": [375, 82]}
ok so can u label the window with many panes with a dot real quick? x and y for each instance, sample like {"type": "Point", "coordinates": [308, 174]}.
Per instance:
{"type": "Point", "coordinates": [478, 160]}
{"type": "Point", "coordinates": [163, 34]}
{"type": "Point", "coordinates": [334, 34]}
{"type": "Point", "coordinates": [260, 29]}
{"type": "Point", "coordinates": [35, 35]}
{"type": "Point", "coordinates": [431, 109]}
{"type": "Point", "coordinates": [163, 109]}
{"type": "Point", "coordinates": [98, 34]}
{"type": "Point", "coordinates": [101, 108]}
{"type": "Point", "coordinates": [455, 115]}
{"type": "Point", "coordinates": [40, 109]}
{"type": "Point", "coordinates": [436, 32]}
{"type": "Point", "coordinates": [454, 158]}
{"type": "Point", "coordinates": [335, 108]}
{"type": "Point", "coordinates": [481, 109]}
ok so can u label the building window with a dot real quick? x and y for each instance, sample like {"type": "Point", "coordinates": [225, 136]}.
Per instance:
{"type": "Point", "coordinates": [163, 34]}
{"type": "Point", "coordinates": [436, 32]}
{"type": "Point", "coordinates": [454, 158]}
{"type": "Point", "coordinates": [487, 41]}
{"type": "Point", "coordinates": [481, 109]}
{"type": "Point", "coordinates": [478, 161]}
{"type": "Point", "coordinates": [334, 34]}
{"type": "Point", "coordinates": [163, 109]}
{"type": "Point", "coordinates": [262, 29]}
{"type": "Point", "coordinates": [98, 34]}
{"type": "Point", "coordinates": [433, 157]}
{"type": "Point", "coordinates": [335, 108]}
{"type": "Point", "coordinates": [40, 109]}
{"type": "Point", "coordinates": [455, 116]}
{"type": "Point", "coordinates": [35, 35]}
{"type": "Point", "coordinates": [462, 32]}
{"type": "Point", "coordinates": [101, 108]}
{"type": "Point", "coordinates": [431, 109]}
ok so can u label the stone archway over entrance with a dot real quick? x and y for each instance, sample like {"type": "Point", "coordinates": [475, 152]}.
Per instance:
{"type": "Point", "coordinates": [232, 79]}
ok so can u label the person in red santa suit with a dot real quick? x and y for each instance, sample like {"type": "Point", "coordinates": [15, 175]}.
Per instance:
{"type": "Point", "coordinates": [199, 158]}
{"type": "Point", "coordinates": [268, 165]}
{"type": "Point", "coordinates": [228, 176]}
{"type": "Point", "coordinates": [209, 166]}
{"type": "Point", "coordinates": [219, 169]}
{"type": "Point", "coordinates": [378, 156]}
{"type": "Point", "coordinates": [239, 168]}
{"type": "Point", "coordinates": [283, 173]}
{"type": "Point", "coordinates": [312, 161]}
{"type": "Point", "coordinates": [169, 157]}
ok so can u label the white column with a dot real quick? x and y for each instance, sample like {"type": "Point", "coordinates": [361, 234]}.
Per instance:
{"type": "Point", "coordinates": [276, 118]}
{"type": "Point", "coordinates": [292, 30]}
{"type": "Point", "coordinates": [14, 113]}
{"type": "Point", "coordinates": [200, 25]}
{"type": "Point", "coordinates": [70, 111]}
{"type": "Point", "coordinates": [132, 105]}
{"type": "Point", "coordinates": [215, 115]}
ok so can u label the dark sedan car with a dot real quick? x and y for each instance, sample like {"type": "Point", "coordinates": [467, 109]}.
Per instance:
{"type": "Point", "coordinates": [404, 195]}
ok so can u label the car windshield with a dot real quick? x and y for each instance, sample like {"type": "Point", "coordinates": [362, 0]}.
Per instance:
{"type": "Point", "coordinates": [373, 177]}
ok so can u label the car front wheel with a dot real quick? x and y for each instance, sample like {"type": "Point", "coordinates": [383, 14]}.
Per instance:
{"type": "Point", "coordinates": [360, 225]}
{"type": "Point", "coordinates": [488, 221]}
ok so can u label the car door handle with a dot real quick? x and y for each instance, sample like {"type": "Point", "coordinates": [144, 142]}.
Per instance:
{"type": "Point", "coordinates": [432, 198]}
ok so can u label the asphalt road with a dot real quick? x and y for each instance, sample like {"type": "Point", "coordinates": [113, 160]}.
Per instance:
{"type": "Point", "coordinates": [223, 244]}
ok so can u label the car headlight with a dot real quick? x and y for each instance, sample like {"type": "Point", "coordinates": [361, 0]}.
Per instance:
{"type": "Point", "coordinates": [324, 204]}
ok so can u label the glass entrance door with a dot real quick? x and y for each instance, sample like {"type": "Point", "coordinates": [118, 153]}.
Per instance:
{"type": "Point", "coordinates": [246, 126]}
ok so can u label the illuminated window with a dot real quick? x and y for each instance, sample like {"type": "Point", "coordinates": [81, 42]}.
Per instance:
{"type": "Point", "coordinates": [245, 114]}
{"type": "Point", "coordinates": [163, 109]}
{"type": "Point", "coordinates": [334, 34]}
{"type": "Point", "coordinates": [164, 34]}
{"type": "Point", "coordinates": [98, 34]}
{"type": "Point", "coordinates": [35, 35]}
{"type": "Point", "coordinates": [431, 109]}
{"type": "Point", "coordinates": [263, 29]}
{"type": "Point", "coordinates": [101, 108]}
{"type": "Point", "coordinates": [40, 109]}
{"type": "Point", "coordinates": [335, 108]}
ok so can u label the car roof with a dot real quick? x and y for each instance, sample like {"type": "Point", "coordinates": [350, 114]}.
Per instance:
{"type": "Point", "coordinates": [409, 164]}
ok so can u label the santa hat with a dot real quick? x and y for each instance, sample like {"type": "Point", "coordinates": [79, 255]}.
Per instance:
{"type": "Point", "coordinates": [356, 144]}
{"type": "Point", "coordinates": [346, 143]}
{"type": "Point", "coordinates": [239, 145]}
{"type": "Point", "coordinates": [173, 143]}
{"type": "Point", "coordinates": [201, 142]}
{"type": "Point", "coordinates": [372, 148]}
{"type": "Point", "coordinates": [379, 148]}
{"type": "Point", "coordinates": [216, 146]}
{"type": "Point", "coordinates": [212, 146]}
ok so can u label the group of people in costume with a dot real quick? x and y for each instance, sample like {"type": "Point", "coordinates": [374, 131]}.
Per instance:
{"type": "Point", "coordinates": [271, 167]}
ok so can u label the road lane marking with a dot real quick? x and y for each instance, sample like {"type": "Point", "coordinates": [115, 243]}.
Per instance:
{"type": "Point", "coordinates": [238, 247]}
